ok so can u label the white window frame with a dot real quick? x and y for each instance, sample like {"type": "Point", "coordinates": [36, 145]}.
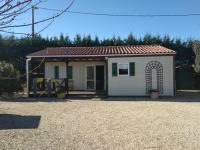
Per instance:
{"type": "Point", "coordinates": [118, 66]}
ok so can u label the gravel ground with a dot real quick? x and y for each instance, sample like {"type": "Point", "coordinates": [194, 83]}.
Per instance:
{"type": "Point", "coordinates": [113, 123]}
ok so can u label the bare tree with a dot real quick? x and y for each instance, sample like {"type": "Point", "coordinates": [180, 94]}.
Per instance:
{"type": "Point", "coordinates": [10, 9]}
{"type": "Point", "coordinates": [196, 49]}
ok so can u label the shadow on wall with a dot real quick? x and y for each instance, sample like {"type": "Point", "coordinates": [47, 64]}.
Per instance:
{"type": "Point", "coordinates": [11, 121]}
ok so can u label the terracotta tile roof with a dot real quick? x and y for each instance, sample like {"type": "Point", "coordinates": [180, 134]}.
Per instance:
{"type": "Point", "coordinates": [104, 51]}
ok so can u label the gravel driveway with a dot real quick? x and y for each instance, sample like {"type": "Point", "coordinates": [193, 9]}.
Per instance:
{"type": "Point", "coordinates": [113, 123]}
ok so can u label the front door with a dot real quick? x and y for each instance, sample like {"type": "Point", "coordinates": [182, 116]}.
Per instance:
{"type": "Point", "coordinates": [99, 77]}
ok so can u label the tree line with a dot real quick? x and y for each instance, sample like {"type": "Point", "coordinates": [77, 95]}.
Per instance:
{"type": "Point", "coordinates": [14, 50]}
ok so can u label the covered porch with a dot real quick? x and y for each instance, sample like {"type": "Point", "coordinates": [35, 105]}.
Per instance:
{"type": "Point", "coordinates": [73, 76]}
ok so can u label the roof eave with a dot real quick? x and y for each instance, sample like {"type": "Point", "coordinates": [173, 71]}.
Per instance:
{"type": "Point", "coordinates": [110, 55]}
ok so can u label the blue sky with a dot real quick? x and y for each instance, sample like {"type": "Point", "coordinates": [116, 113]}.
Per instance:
{"type": "Point", "coordinates": [105, 27]}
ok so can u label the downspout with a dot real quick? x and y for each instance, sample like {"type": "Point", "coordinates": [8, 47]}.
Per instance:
{"type": "Point", "coordinates": [27, 75]}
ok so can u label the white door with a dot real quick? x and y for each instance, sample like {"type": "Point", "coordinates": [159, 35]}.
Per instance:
{"type": "Point", "coordinates": [90, 78]}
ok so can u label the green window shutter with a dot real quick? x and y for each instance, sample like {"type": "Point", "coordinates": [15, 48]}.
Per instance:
{"type": "Point", "coordinates": [114, 69]}
{"type": "Point", "coordinates": [132, 68]}
{"type": "Point", "coordinates": [70, 72]}
{"type": "Point", "coordinates": [56, 72]}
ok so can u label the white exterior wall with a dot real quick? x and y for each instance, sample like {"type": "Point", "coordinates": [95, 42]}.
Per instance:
{"type": "Point", "coordinates": [120, 85]}
{"type": "Point", "coordinates": [49, 69]}
{"type": "Point", "coordinates": [136, 85]}
{"type": "Point", "coordinates": [79, 72]}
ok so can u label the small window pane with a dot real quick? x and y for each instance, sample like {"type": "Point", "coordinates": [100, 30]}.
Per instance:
{"type": "Point", "coordinates": [56, 72]}
{"type": "Point", "coordinates": [70, 72]}
{"type": "Point", "coordinates": [123, 69]}
{"type": "Point", "coordinates": [90, 73]}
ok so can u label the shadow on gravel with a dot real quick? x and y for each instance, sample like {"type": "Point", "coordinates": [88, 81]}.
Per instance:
{"type": "Point", "coordinates": [32, 100]}
{"type": "Point", "coordinates": [181, 96]}
{"type": "Point", "coordinates": [11, 121]}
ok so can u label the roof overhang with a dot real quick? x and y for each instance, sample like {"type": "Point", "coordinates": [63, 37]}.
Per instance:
{"type": "Point", "coordinates": [110, 55]}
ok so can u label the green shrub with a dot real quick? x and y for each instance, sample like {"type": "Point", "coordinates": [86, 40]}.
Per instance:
{"type": "Point", "coordinates": [9, 78]}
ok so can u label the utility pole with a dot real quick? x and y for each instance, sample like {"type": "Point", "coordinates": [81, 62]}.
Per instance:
{"type": "Point", "coordinates": [33, 22]}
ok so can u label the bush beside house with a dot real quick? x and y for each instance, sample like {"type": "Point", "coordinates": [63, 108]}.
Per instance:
{"type": "Point", "coordinates": [187, 78]}
{"type": "Point", "coordinates": [9, 78]}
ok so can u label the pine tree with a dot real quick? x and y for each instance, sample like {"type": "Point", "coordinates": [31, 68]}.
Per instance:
{"type": "Point", "coordinates": [78, 40]}
{"type": "Point", "coordinates": [87, 40]}
{"type": "Point", "coordinates": [61, 41]}
{"type": "Point", "coordinates": [131, 40]}
{"type": "Point", "coordinates": [96, 41]}
{"type": "Point", "coordinates": [68, 41]}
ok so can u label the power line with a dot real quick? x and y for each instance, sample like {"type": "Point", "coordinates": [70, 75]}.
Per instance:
{"type": "Point", "coordinates": [123, 15]}
{"type": "Point", "coordinates": [49, 24]}
{"type": "Point", "coordinates": [10, 32]}
{"type": "Point", "coordinates": [26, 34]}
{"type": "Point", "coordinates": [43, 20]}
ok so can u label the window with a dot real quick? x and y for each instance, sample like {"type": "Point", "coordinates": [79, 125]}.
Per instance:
{"type": "Point", "coordinates": [70, 72]}
{"type": "Point", "coordinates": [123, 69]}
{"type": "Point", "coordinates": [56, 72]}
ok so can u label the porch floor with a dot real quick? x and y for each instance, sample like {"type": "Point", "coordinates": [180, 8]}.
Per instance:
{"type": "Point", "coordinates": [87, 92]}
{"type": "Point", "coordinates": [72, 93]}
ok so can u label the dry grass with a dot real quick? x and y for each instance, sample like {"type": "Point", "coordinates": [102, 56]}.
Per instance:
{"type": "Point", "coordinates": [93, 124]}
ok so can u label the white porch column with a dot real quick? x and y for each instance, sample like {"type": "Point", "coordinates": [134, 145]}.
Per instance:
{"type": "Point", "coordinates": [27, 75]}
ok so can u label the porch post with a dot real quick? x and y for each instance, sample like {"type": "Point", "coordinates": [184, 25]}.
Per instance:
{"type": "Point", "coordinates": [106, 60]}
{"type": "Point", "coordinates": [67, 88]}
{"type": "Point", "coordinates": [27, 76]}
